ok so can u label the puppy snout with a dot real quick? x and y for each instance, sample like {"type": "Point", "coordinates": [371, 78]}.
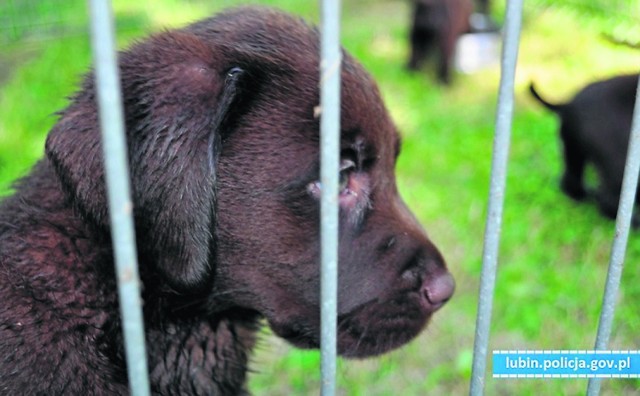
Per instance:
{"type": "Point", "coordinates": [427, 274]}
{"type": "Point", "coordinates": [437, 289]}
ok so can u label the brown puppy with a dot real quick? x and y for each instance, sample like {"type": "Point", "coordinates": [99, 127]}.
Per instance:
{"type": "Point", "coordinates": [224, 155]}
{"type": "Point", "coordinates": [594, 128]}
{"type": "Point", "coordinates": [436, 26]}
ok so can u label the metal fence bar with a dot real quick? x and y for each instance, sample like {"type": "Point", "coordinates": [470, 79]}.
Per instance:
{"type": "Point", "coordinates": [501, 142]}
{"type": "Point", "coordinates": [330, 156]}
{"type": "Point", "coordinates": [619, 247]}
{"type": "Point", "coordinates": [117, 179]}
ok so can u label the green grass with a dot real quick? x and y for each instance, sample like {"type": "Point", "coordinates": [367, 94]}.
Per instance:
{"type": "Point", "coordinates": [554, 253]}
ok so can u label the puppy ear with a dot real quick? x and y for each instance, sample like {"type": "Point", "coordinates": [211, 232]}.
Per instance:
{"type": "Point", "coordinates": [177, 98]}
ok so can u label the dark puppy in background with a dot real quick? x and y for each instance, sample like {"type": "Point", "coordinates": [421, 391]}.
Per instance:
{"type": "Point", "coordinates": [594, 128]}
{"type": "Point", "coordinates": [436, 26]}
{"type": "Point", "coordinates": [224, 156]}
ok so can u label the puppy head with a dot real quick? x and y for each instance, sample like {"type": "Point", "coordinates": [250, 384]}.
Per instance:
{"type": "Point", "coordinates": [391, 277]}
{"type": "Point", "coordinates": [224, 155]}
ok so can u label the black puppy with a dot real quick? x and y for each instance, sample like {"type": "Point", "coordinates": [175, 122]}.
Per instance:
{"type": "Point", "coordinates": [436, 26]}
{"type": "Point", "coordinates": [595, 128]}
{"type": "Point", "coordinates": [224, 156]}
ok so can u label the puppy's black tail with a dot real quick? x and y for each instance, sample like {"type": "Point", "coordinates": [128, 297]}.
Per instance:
{"type": "Point", "coordinates": [551, 106]}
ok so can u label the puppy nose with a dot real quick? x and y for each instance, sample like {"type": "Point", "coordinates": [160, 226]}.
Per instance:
{"type": "Point", "coordinates": [438, 289]}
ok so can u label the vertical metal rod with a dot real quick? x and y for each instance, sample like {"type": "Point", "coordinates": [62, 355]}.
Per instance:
{"type": "Point", "coordinates": [496, 193]}
{"type": "Point", "coordinates": [619, 247]}
{"type": "Point", "coordinates": [330, 156]}
{"type": "Point", "coordinates": [120, 205]}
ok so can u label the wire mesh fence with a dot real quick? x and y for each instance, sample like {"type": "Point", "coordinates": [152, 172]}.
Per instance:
{"type": "Point", "coordinates": [44, 20]}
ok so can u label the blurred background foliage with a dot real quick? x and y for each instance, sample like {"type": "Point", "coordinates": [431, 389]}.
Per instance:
{"type": "Point", "coordinates": [554, 253]}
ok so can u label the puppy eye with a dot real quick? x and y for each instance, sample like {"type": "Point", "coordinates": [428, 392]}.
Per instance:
{"type": "Point", "coordinates": [347, 166]}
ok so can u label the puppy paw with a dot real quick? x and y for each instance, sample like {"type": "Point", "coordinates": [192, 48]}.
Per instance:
{"type": "Point", "coordinates": [573, 190]}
